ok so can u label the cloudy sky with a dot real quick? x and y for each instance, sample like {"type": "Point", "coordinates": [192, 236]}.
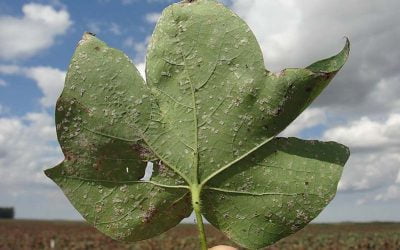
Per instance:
{"type": "Point", "coordinates": [361, 107]}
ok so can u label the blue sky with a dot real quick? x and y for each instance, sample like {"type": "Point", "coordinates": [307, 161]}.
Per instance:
{"type": "Point", "coordinates": [361, 108]}
{"type": "Point", "coordinates": [122, 25]}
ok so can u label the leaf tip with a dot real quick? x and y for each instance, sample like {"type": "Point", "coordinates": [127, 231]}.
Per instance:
{"type": "Point", "coordinates": [342, 152]}
{"type": "Point", "coordinates": [346, 49]}
{"type": "Point", "coordinates": [87, 36]}
{"type": "Point", "coordinates": [334, 63]}
{"type": "Point", "coordinates": [347, 152]}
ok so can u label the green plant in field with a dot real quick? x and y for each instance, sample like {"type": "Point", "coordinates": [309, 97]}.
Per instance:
{"type": "Point", "coordinates": [206, 117]}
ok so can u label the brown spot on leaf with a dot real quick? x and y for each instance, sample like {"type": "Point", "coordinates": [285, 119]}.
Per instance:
{"type": "Point", "coordinates": [327, 76]}
{"type": "Point", "coordinates": [97, 164]}
{"type": "Point", "coordinates": [161, 167]}
{"type": "Point", "coordinates": [278, 111]}
{"type": "Point", "coordinates": [69, 156]}
{"type": "Point", "coordinates": [143, 152]}
{"type": "Point", "coordinates": [149, 215]}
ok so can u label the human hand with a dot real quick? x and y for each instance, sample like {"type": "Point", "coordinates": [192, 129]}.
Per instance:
{"type": "Point", "coordinates": [222, 248]}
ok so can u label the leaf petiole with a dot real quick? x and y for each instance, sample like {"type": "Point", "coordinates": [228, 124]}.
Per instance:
{"type": "Point", "coordinates": [196, 203]}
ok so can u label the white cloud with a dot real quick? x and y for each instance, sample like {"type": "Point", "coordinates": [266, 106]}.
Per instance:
{"type": "Point", "coordinates": [367, 133]}
{"type": "Point", "coordinates": [385, 94]}
{"type": "Point", "coordinates": [301, 31]}
{"type": "Point", "coordinates": [23, 37]}
{"type": "Point", "coordinates": [26, 148]}
{"type": "Point", "coordinates": [375, 160]}
{"type": "Point", "coordinates": [309, 118]}
{"type": "Point", "coordinates": [398, 178]}
{"type": "Point", "coordinates": [139, 48]}
{"type": "Point", "coordinates": [392, 193]}
{"type": "Point", "coordinates": [276, 25]}
{"type": "Point", "coordinates": [367, 171]}
{"type": "Point", "coordinates": [28, 145]}
{"type": "Point", "coordinates": [10, 69]}
{"type": "Point", "coordinates": [152, 17]}
{"type": "Point", "coordinates": [49, 80]}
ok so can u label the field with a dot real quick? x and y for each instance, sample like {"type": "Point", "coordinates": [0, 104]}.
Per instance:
{"type": "Point", "coordinates": [23, 234]}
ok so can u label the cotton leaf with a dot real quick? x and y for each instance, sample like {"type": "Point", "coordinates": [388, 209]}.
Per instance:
{"type": "Point", "coordinates": [206, 118]}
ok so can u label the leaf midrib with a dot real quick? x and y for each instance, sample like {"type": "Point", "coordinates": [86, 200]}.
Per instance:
{"type": "Point", "coordinates": [196, 128]}
{"type": "Point", "coordinates": [127, 182]}
{"type": "Point", "coordinates": [202, 184]}
{"type": "Point", "coordinates": [195, 168]}
{"type": "Point", "coordinates": [222, 190]}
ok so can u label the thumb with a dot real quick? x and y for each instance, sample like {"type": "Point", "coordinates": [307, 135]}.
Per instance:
{"type": "Point", "coordinates": [223, 248]}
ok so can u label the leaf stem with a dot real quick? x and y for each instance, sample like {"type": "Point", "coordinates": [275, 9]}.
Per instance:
{"type": "Point", "coordinates": [235, 161]}
{"type": "Point", "coordinates": [196, 202]}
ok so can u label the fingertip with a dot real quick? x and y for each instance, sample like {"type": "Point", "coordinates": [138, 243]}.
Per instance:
{"type": "Point", "coordinates": [222, 248]}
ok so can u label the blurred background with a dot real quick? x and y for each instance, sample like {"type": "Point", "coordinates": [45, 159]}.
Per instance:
{"type": "Point", "coordinates": [361, 107]}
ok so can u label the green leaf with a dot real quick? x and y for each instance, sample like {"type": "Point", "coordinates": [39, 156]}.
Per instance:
{"type": "Point", "coordinates": [100, 116]}
{"type": "Point", "coordinates": [276, 191]}
{"type": "Point", "coordinates": [218, 102]}
{"type": "Point", "coordinates": [206, 119]}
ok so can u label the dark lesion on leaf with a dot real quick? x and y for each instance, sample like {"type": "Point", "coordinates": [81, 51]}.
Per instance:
{"type": "Point", "coordinates": [98, 164]}
{"type": "Point", "coordinates": [161, 167]}
{"type": "Point", "coordinates": [69, 156]}
{"type": "Point", "coordinates": [90, 33]}
{"type": "Point", "coordinates": [289, 91]}
{"type": "Point", "coordinates": [163, 173]}
{"type": "Point", "coordinates": [278, 111]}
{"type": "Point", "coordinates": [326, 75]}
{"type": "Point", "coordinates": [142, 151]}
{"type": "Point", "coordinates": [188, 1]}
{"type": "Point", "coordinates": [309, 89]}
{"type": "Point", "coordinates": [149, 214]}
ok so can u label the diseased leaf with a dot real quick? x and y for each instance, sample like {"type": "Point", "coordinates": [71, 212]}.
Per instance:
{"type": "Point", "coordinates": [274, 192]}
{"type": "Point", "coordinates": [100, 117]}
{"type": "Point", "coordinates": [206, 119]}
{"type": "Point", "coordinates": [217, 100]}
